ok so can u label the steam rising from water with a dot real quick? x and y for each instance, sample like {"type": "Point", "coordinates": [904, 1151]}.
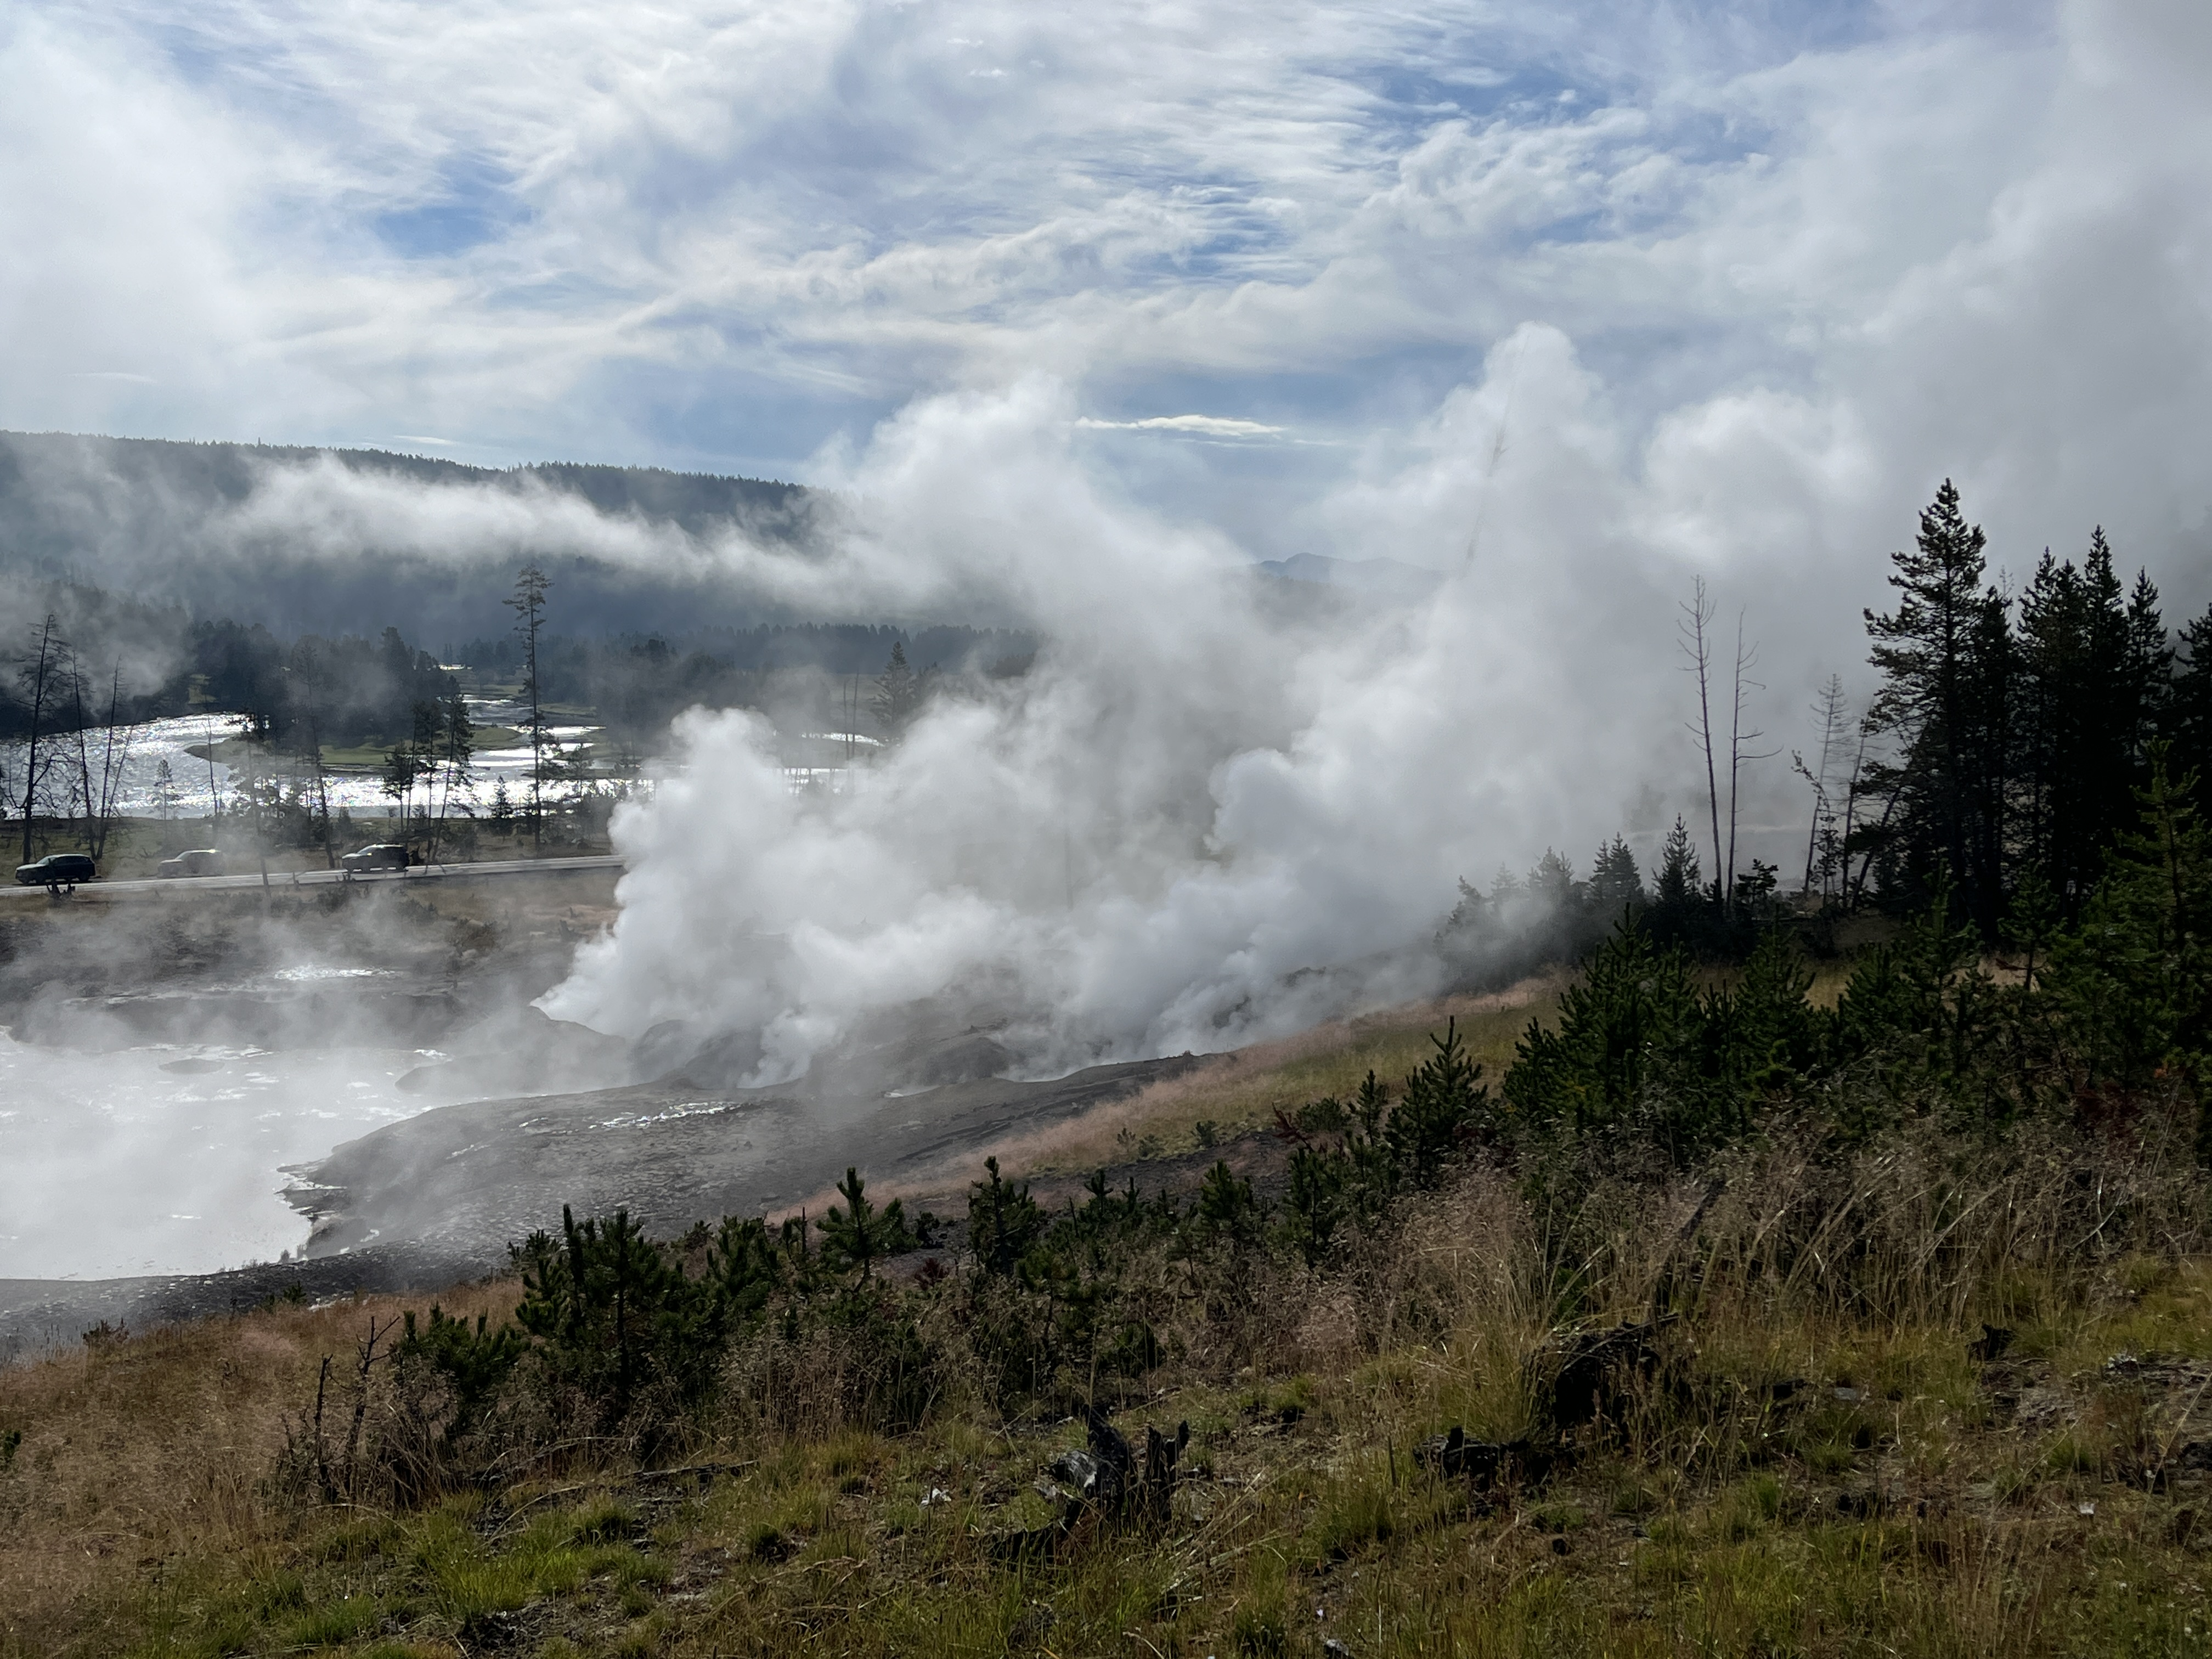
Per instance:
{"type": "Point", "coordinates": [157, 1160]}
{"type": "Point", "coordinates": [1203, 818]}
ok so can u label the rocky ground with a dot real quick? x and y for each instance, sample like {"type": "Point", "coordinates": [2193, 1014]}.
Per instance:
{"type": "Point", "coordinates": [657, 1128]}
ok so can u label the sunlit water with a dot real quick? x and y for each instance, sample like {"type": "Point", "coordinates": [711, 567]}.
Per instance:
{"type": "Point", "coordinates": [169, 1159]}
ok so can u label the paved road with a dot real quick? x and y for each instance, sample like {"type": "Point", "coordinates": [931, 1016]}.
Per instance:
{"type": "Point", "coordinates": [577, 866]}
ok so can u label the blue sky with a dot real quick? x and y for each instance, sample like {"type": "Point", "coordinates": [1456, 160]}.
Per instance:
{"type": "Point", "coordinates": [1077, 306]}
{"type": "Point", "coordinates": [738, 237]}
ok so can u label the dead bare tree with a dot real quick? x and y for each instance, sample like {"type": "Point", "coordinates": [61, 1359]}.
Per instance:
{"type": "Point", "coordinates": [365, 1352]}
{"type": "Point", "coordinates": [114, 757]}
{"type": "Point", "coordinates": [40, 675]}
{"type": "Point", "coordinates": [1698, 614]}
{"type": "Point", "coordinates": [1745, 660]}
{"type": "Point", "coordinates": [308, 668]}
{"type": "Point", "coordinates": [1829, 711]}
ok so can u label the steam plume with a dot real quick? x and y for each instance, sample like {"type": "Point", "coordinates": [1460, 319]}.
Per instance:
{"type": "Point", "coordinates": [1200, 820]}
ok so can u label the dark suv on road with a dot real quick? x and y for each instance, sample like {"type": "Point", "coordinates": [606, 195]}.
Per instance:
{"type": "Point", "coordinates": [385, 857]}
{"type": "Point", "coordinates": [56, 870]}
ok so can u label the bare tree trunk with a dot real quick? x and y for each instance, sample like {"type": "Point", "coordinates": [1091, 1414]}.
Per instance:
{"type": "Point", "coordinates": [83, 751]}
{"type": "Point", "coordinates": [1737, 738]}
{"type": "Point", "coordinates": [1831, 711]}
{"type": "Point", "coordinates": [1699, 611]}
{"type": "Point", "coordinates": [253, 725]}
{"type": "Point", "coordinates": [50, 649]}
{"type": "Point", "coordinates": [307, 667]}
{"type": "Point", "coordinates": [322, 786]}
{"type": "Point", "coordinates": [215, 795]}
{"type": "Point", "coordinates": [111, 765]}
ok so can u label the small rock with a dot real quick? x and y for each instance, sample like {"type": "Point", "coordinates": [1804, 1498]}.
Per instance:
{"type": "Point", "coordinates": [1994, 1340]}
{"type": "Point", "coordinates": [2085, 1509]}
{"type": "Point", "coordinates": [936, 1495]}
{"type": "Point", "coordinates": [1847, 1394]}
{"type": "Point", "coordinates": [1330, 1645]}
{"type": "Point", "coordinates": [1078, 1469]}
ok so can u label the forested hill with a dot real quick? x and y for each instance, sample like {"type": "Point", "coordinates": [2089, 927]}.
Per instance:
{"type": "Point", "coordinates": [149, 517]}
{"type": "Point", "coordinates": [43, 475]}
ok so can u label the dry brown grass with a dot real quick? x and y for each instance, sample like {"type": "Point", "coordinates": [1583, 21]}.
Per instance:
{"type": "Point", "coordinates": [1243, 1090]}
{"type": "Point", "coordinates": [1901, 1496]}
{"type": "Point", "coordinates": [138, 1450]}
{"type": "Point", "coordinates": [1240, 1091]}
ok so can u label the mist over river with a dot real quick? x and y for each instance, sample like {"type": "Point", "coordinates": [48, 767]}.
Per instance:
{"type": "Point", "coordinates": [165, 1159]}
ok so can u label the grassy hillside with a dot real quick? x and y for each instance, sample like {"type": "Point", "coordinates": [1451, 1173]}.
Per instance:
{"type": "Point", "coordinates": [1918, 1389]}
{"type": "Point", "coordinates": [1789, 1478]}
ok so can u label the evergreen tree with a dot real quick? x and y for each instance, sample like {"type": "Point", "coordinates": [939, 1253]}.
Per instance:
{"type": "Point", "coordinates": [1681, 881]}
{"type": "Point", "coordinates": [1003, 1222]}
{"type": "Point", "coordinates": [1444, 1101]}
{"type": "Point", "coordinates": [402, 769]}
{"type": "Point", "coordinates": [1552, 881]}
{"type": "Point", "coordinates": [2095, 664]}
{"type": "Point", "coordinates": [1945, 655]}
{"type": "Point", "coordinates": [900, 693]}
{"type": "Point", "coordinates": [743, 1269]}
{"type": "Point", "coordinates": [1615, 884]}
{"type": "Point", "coordinates": [857, 1234]}
{"type": "Point", "coordinates": [1226, 1207]}
{"type": "Point", "coordinates": [1618, 1026]}
{"type": "Point", "coordinates": [605, 1300]}
{"type": "Point", "coordinates": [2187, 715]}
{"type": "Point", "coordinates": [2134, 983]}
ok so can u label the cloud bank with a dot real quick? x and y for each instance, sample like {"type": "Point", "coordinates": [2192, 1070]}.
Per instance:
{"type": "Point", "coordinates": [1567, 304]}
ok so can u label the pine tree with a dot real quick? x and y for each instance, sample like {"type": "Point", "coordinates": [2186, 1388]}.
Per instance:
{"type": "Point", "coordinates": [1945, 657]}
{"type": "Point", "coordinates": [900, 693]}
{"type": "Point", "coordinates": [857, 1235]}
{"type": "Point", "coordinates": [1443, 1102]}
{"type": "Point", "coordinates": [1226, 1206]}
{"type": "Point", "coordinates": [599, 1298]}
{"type": "Point", "coordinates": [1554, 882]}
{"type": "Point", "coordinates": [2134, 983]}
{"type": "Point", "coordinates": [1681, 883]}
{"type": "Point", "coordinates": [2186, 718]}
{"type": "Point", "coordinates": [1685, 908]}
{"type": "Point", "coordinates": [1615, 884]}
{"type": "Point", "coordinates": [2095, 664]}
{"type": "Point", "coordinates": [1003, 1222]}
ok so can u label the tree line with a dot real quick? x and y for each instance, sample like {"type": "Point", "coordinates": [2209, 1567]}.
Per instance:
{"type": "Point", "coordinates": [1999, 761]}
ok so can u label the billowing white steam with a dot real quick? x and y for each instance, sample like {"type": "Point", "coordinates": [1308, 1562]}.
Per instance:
{"type": "Point", "coordinates": [1197, 821]}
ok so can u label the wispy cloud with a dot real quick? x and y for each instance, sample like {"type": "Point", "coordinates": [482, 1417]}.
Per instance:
{"type": "Point", "coordinates": [1204, 426]}
{"type": "Point", "coordinates": [729, 238]}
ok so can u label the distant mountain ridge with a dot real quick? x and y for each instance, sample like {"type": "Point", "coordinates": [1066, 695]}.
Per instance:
{"type": "Point", "coordinates": [141, 515]}
{"type": "Point", "coordinates": [32, 462]}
